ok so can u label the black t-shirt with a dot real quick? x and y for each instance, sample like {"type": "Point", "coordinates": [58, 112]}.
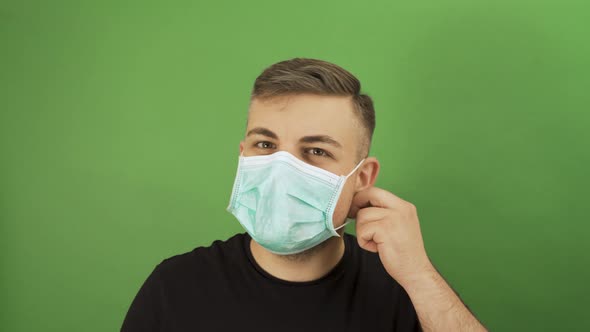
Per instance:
{"type": "Point", "coordinates": [222, 288]}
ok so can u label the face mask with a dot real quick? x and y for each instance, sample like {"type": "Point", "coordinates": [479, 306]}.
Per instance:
{"type": "Point", "coordinates": [285, 204]}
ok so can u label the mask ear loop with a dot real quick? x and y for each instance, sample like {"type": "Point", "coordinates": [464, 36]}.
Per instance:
{"type": "Point", "coordinates": [348, 220]}
{"type": "Point", "coordinates": [355, 168]}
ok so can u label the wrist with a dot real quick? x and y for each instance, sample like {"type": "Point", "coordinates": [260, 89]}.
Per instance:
{"type": "Point", "coordinates": [425, 276]}
{"type": "Point", "coordinates": [429, 286]}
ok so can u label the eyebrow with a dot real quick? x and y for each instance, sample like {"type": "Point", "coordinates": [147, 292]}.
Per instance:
{"type": "Point", "coordinates": [306, 139]}
{"type": "Point", "coordinates": [320, 139]}
{"type": "Point", "coordinates": [262, 131]}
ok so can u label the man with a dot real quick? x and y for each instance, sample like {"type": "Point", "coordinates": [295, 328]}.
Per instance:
{"type": "Point", "coordinates": [303, 171]}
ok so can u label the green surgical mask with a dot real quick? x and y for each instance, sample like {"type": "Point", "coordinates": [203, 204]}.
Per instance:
{"type": "Point", "coordinates": [286, 205]}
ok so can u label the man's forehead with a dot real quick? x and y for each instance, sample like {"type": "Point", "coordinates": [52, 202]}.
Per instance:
{"type": "Point", "coordinates": [304, 115]}
{"type": "Point", "coordinates": [286, 102]}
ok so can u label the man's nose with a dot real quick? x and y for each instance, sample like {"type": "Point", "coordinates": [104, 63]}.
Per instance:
{"type": "Point", "coordinates": [292, 149]}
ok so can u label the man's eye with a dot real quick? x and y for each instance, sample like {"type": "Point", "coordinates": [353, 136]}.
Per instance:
{"type": "Point", "coordinates": [317, 152]}
{"type": "Point", "coordinates": [265, 145]}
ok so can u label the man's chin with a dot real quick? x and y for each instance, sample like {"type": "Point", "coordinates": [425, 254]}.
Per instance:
{"type": "Point", "coordinates": [307, 254]}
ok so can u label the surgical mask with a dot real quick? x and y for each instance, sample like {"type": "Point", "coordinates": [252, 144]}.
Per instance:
{"type": "Point", "coordinates": [285, 204]}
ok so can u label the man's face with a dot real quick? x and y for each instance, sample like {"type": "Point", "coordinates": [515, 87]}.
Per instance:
{"type": "Point", "coordinates": [320, 130]}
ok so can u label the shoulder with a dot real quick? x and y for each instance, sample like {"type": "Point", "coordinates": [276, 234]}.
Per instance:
{"type": "Point", "coordinates": [379, 285]}
{"type": "Point", "coordinates": [203, 259]}
{"type": "Point", "coordinates": [368, 264]}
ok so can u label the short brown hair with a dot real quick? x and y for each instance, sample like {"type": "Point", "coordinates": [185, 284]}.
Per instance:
{"type": "Point", "coordinates": [305, 75]}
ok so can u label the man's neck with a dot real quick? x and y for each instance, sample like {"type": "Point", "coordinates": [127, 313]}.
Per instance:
{"type": "Point", "coordinates": [304, 268]}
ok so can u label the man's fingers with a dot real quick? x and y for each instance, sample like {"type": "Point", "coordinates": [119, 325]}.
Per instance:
{"type": "Point", "coordinates": [366, 233]}
{"type": "Point", "coordinates": [369, 214]}
{"type": "Point", "coordinates": [370, 226]}
{"type": "Point", "coordinates": [375, 197]}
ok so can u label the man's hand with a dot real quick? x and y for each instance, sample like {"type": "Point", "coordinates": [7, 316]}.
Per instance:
{"type": "Point", "coordinates": [388, 225]}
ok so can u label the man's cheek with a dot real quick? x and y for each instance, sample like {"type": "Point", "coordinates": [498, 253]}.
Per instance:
{"type": "Point", "coordinates": [342, 208]}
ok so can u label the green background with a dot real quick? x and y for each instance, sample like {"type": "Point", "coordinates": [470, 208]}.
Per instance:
{"type": "Point", "coordinates": [120, 124]}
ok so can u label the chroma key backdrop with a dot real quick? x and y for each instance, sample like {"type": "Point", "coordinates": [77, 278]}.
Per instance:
{"type": "Point", "coordinates": [120, 123]}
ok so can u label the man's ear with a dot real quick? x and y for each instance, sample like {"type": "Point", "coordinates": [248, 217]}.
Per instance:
{"type": "Point", "coordinates": [241, 146]}
{"type": "Point", "coordinates": [367, 174]}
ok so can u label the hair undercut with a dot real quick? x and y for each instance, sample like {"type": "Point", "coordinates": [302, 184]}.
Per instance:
{"type": "Point", "coordinates": [313, 76]}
